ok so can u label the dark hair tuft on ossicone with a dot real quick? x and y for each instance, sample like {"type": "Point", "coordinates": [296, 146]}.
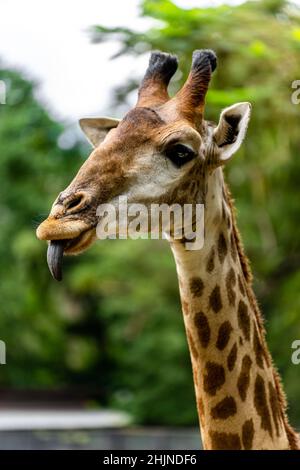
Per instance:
{"type": "Point", "coordinates": [162, 66]}
{"type": "Point", "coordinates": [204, 58]}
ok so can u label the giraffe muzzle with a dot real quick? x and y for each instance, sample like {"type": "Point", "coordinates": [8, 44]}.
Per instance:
{"type": "Point", "coordinates": [57, 248]}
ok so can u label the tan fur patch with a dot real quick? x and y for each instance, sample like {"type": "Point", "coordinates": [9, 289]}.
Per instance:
{"type": "Point", "coordinates": [185, 307]}
{"type": "Point", "coordinates": [192, 345]}
{"type": "Point", "coordinates": [203, 328]}
{"type": "Point", "coordinates": [200, 406]}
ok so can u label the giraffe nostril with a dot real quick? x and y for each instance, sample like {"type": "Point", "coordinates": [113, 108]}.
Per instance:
{"type": "Point", "coordinates": [76, 203]}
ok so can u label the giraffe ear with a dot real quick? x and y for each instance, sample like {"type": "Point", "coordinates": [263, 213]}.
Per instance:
{"type": "Point", "coordinates": [231, 130]}
{"type": "Point", "coordinates": [96, 129]}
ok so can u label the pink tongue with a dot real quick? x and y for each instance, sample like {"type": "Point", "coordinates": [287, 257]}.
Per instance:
{"type": "Point", "coordinates": [55, 255]}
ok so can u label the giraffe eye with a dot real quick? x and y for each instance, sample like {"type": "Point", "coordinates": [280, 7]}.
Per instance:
{"type": "Point", "coordinates": [179, 154]}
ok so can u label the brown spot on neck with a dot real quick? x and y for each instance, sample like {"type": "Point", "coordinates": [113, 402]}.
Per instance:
{"type": "Point", "coordinates": [232, 356]}
{"type": "Point", "coordinates": [241, 285]}
{"type": "Point", "coordinates": [247, 434]}
{"type": "Point", "coordinates": [224, 335]}
{"type": "Point", "coordinates": [215, 302]}
{"type": "Point", "coordinates": [225, 441]}
{"type": "Point", "coordinates": [261, 405]}
{"type": "Point", "coordinates": [203, 329]}
{"type": "Point", "coordinates": [233, 248]}
{"type": "Point", "coordinates": [275, 408]}
{"type": "Point", "coordinates": [230, 283]}
{"type": "Point", "coordinates": [222, 247]}
{"type": "Point", "coordinates": [210, 266]}
{"type": "Point", "coordinates": [196, 286]}
{"type": "Point", "coordinates": [244, 319]}
{"type": "Point", "coordinates": [224, 409]}
{"type": "Point", "coordinates": [244, 377]}
{"type": "Point", "coordinates": [258, 349]}
{"type": "Point", "coordinates": [214, 378]}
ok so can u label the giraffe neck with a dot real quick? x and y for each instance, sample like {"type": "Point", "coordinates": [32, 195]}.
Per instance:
{"type": "Point", "coordinates": [239, 398]}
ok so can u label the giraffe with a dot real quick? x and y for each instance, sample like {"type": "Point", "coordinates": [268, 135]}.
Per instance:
{"type": "Point", "coordinates": [163, 150]}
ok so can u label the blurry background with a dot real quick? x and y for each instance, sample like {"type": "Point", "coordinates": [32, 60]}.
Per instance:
{"type": "Point", "coordinates": [111, 335]}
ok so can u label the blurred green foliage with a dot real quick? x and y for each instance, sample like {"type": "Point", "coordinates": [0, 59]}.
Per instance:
{"type": "Point", "coordinates": [36, 316]}
{"type": "Point", "coordinates": [115, 321]}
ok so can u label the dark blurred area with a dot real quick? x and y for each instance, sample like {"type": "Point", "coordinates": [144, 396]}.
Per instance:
{"type": "Point", "coordinates": [112, 332]}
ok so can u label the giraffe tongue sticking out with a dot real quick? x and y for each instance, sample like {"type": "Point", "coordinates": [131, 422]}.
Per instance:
{"type": "Point", "coordinates": [55, 255]}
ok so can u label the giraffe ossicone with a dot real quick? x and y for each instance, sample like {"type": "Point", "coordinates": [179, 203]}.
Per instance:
{"type": "Point", "coordinates": [165, 152]}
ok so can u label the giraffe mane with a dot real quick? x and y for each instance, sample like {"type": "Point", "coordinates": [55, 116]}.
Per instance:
{"type": "Point", "coordinates": [237, 238]}
{"type": "Point", "coordinates": [293, 437]}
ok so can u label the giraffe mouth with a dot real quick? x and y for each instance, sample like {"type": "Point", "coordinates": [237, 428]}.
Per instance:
{"type": "Point", "coordinates": [58, 248]}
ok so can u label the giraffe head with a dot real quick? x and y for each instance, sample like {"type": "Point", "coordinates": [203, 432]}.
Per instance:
{"type": "Point", "coordinates": [150, 156]}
